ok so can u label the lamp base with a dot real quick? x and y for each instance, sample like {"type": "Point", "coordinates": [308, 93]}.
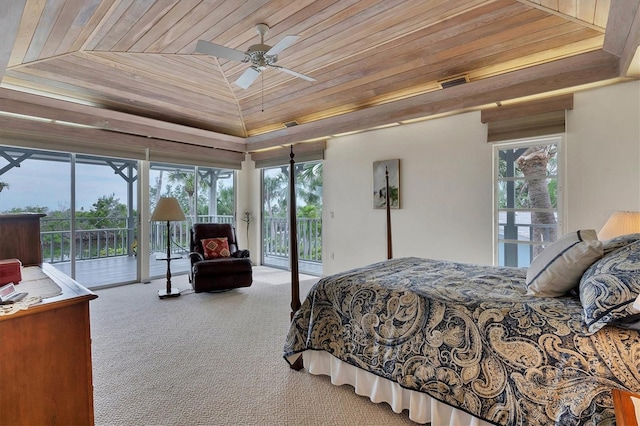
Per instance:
{"type": "Point", "coordinates": [175, 292]}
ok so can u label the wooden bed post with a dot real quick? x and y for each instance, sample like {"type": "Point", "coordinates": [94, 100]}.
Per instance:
{"type": "Point", "coordinates": [389, 245]}
{"type": "Point", "coordinates": [293, 249]}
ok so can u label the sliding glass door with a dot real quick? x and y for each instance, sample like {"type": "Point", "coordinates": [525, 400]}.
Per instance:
{"type": "Point", "coordinates": [275, 216]}
{"type": "Point", "coordinates": [36, 181]}
{"type": "Point", "coordinates": [105, 218]}
{"type": "Point", "coordinates": [91, 229]}
{"type": "Point", "coordinates": [90, 205]}
{"type": "Point", "coordinates": [205, 194]}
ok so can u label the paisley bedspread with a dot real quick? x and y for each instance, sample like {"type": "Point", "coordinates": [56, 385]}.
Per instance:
{"type": "Point", "coordinates": [468, 336]}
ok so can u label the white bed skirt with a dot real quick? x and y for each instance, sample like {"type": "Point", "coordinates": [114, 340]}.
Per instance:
{"type": "Point", "coordinates": [422, 408]}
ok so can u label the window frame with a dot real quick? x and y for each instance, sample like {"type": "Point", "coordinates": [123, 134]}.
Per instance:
{"type": "Point", "coordinates": [559, 141]}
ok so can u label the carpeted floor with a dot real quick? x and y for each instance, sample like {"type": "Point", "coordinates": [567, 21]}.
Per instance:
{"type": "Point", "coordinates": [211, 359]}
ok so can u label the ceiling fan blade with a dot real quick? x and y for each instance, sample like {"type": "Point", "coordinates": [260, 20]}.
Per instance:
{"type": "Point", "coordinates": [297, 74]}
{"type": "Point", "coordinates": [282, 44]}
{"type": "Point", "coordinates": [247, 77]}
{"type": "Point", "coordinates": [220, 51]}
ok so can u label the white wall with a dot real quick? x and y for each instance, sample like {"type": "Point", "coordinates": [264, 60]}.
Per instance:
{"type": "Point", "coordinates": [248, 200]}
{"type": "Point", "coordinates": [445, 194]}
{"type": "Point", "coordinates": [446, 182]}
{"type": "Point", "coordinates": [603, 151]}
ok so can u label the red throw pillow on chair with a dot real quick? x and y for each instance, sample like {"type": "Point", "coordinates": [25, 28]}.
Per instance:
{"type": "Point", "coordinates": [215, 248]}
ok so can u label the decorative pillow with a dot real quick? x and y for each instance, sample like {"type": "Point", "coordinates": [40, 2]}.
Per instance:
{"type": "Point", "coordinates": [609, 288]}
{"type": "Point", "coordinates": [559, 267]}
{"type": "Point", "coordinates": [616, 243]}
{"type": "Point", "coordinates": [215, 248]}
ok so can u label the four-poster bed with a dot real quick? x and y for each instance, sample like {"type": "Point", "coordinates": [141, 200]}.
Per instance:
{"type": "Point", "coordinates": [457, 343]}
{"type": "Point", "coordinates": [293, 247]}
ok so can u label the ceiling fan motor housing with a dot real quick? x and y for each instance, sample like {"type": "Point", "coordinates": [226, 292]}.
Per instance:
{"type": "Point", "coordinates": [257, 55]}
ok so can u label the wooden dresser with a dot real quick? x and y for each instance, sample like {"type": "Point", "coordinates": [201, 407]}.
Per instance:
{"type": "Point", "coordinates": [45, 359]}
{"type": "Point", "coordinates": [45, 350]}
{"type": "Point", "coordinates": [20, 237]}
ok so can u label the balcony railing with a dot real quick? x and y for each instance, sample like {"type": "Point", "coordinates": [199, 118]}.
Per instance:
{"type": "Point", "coordinates": [118, 240]}
{"type": "Point", "coordinates": [275, 231]}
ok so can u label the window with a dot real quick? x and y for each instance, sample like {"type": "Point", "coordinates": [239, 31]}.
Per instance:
{"type": "Point", "coordinates": [527, 198]}
{"type": "Point", "coordinates": [275, 216]}
{"type": "Point", "coordinates": [91, 207]}
{"type": "Point", "coordinates": [90, 204]}
{"type": "Point", "coordinates": [205, 194]}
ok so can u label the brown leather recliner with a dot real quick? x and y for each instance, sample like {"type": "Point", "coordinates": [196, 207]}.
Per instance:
{"type": "Point", "coordinates": [222, 273]}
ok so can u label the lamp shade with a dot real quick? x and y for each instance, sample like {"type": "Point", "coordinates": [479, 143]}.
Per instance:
{"type": "Point", "coordinates": [167, 209]}
{"type": "Point", "coordinates": [620, 223]}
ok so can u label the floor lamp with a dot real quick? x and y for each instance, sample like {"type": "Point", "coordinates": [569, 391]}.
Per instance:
{"type": "Point", "coordinates": [168, 210]}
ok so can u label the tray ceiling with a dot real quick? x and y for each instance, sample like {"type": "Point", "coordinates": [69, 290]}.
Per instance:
{"type": "Point", "coordinates": [138, 57]}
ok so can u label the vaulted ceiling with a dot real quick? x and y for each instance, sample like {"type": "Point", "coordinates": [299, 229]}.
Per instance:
{"type": "Point", "coordinates": [375, 62]}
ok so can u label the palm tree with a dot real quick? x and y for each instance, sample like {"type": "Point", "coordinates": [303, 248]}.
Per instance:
{"type": "Point", "coordinates": [209, 179]}
{"type": "Point", "coordinates": [158, 188]}
{"type": "Point", "coordinates": [275, 193]}
{"type": "Point", "coordinates": [533, 163]}
{"type": "Point", "coordinates": [188, 182]}
{"type": "Point", "coordinates": [309, 180]}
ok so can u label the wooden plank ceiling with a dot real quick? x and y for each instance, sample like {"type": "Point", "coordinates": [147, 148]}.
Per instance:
{"type": "Point", "coordinates": [138, 56]}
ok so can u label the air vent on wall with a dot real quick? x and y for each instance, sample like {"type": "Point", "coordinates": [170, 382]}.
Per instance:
{"type": "Point", "coordinates": [291, 123]}
{"type": "Point", "coordinates": [454, 81]}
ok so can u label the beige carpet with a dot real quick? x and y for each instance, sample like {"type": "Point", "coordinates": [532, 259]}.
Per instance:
{"type": "Point", "coordinates": [211, 359]}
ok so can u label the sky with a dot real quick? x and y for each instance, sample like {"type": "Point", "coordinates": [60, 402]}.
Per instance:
{"type": "Point", "coordinates": [38, 183]}
{"type": "Point", "coordinates": [47, 184]}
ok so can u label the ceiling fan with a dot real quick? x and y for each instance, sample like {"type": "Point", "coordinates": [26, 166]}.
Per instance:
{"type": "Point", "coordinates": [260, 56]}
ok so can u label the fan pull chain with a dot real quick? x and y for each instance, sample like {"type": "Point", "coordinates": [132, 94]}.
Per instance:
{"type": "Point", "coordinates": [262, 91]}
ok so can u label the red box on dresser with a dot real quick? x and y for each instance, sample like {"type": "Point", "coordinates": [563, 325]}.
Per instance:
{"type": "Point", "coordinates": [10, 271]}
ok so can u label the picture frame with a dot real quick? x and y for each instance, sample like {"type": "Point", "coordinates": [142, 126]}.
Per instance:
{"type": "Point", "coordinates": [379, 183]}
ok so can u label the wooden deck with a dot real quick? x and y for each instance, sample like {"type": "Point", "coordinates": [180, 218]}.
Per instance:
{"type": "Point", "coordinates": [96, 273]}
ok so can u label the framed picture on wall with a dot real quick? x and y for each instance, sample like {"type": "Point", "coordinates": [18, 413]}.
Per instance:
{"type": "Point", "coordinates": [380, 186]}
